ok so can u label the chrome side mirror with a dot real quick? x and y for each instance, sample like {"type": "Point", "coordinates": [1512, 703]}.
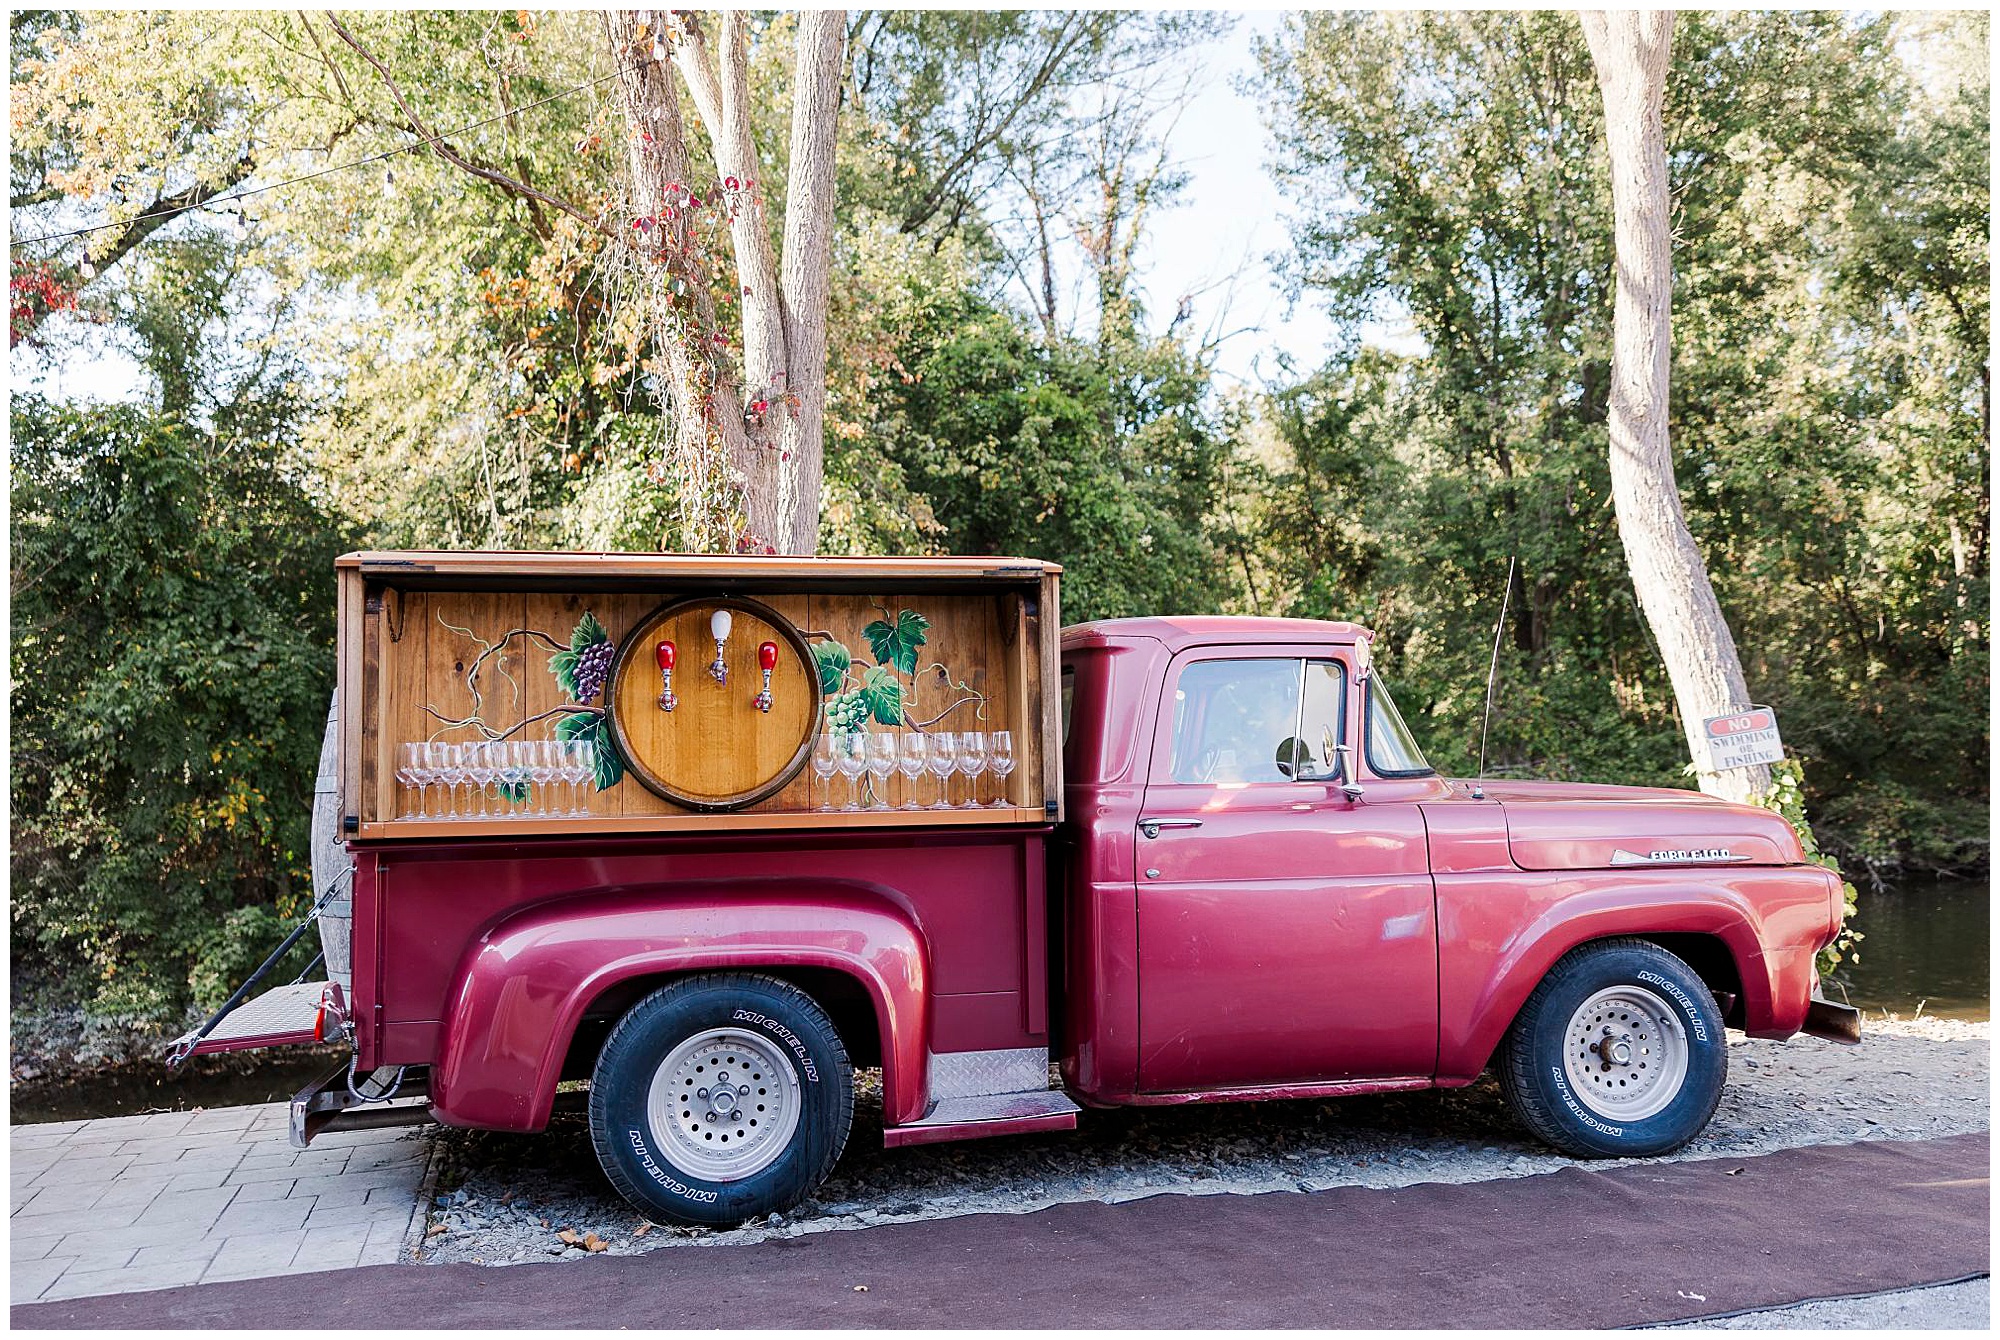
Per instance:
{"type": "Point", "coordinates": [1348, 786]}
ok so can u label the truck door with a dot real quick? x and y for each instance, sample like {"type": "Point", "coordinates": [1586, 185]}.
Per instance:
{"type": "Point", "coordinates": [1286, 933]}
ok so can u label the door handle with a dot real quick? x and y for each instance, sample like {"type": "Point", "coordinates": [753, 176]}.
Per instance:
{"type": "Point", "coordinates": [1151, 827]}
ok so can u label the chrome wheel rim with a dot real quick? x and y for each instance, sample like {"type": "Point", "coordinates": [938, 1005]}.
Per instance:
{"type": "Point", "coordinates": [1626, 1053]}
{"type": "Point", "coordinates": [724, 1104]}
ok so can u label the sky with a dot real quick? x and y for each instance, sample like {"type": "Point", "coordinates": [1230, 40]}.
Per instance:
{"type": "Point", "coordinates": [1231, 220]}
{"type": "Point", "coordinates": [1214, 245]}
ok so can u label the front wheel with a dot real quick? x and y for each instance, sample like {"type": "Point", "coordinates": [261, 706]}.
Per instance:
{"type": "Point", "coordinates": [719, 1098]}
{"type": "Point", "coordinates": [1619, 1053]}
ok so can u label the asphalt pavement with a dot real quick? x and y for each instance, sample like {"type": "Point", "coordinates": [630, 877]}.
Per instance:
{"type": "Point", "coordinates": [1580, 1248]}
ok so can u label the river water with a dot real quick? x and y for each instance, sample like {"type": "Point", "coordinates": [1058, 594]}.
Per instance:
{"type": "Point", "coordinates": [1927, 944]}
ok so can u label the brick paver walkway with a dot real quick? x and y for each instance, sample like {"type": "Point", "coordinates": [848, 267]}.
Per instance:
{"type": "Point", "coordinates": [126, 1203]}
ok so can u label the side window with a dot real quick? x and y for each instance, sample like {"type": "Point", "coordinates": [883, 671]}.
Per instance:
{"type": "Point", "coordinates": [1234, 721]}
{"type": "Point", "coordinates": [1322, 723]}
{"type": "Point", "coordinates": [1392, 750]}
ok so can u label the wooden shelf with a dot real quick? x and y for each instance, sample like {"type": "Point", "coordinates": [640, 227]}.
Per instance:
{"type": "Point", "coordinates": [501, 829]}
{"type": "Point", "coordinates": [581, 569]}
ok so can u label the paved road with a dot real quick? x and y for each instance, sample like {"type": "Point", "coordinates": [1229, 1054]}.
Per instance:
{"type": "Point", "coordinates": [1691, 1239]}
{"type": "Point", "coordinates": [129, 1203]}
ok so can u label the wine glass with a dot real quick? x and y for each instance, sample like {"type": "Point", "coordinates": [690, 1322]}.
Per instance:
{"type": "Point", "coordinates": [943, 762]}
{"type": "Point", "coordinates": [910, 762]}
{"type": "Point", "coordinates": [479, 767]}
{"type": "Point", "coordinates": [826, 762]}
{"type": "Point", "coordinates": [568, 773]}
{"type": "Point", "coordinates": [972, 762]}
{"type": "Point", "coordinates": [881, 763]}
{"type": "Point", "coordinates": [513, 774]}
{"type": "Point", "coordinates": [1000, 760]}
{"type": "Point", "coordinates": [448, 767]}
{"type": "Point", "coordinates": [853, 761]}
{"type": "Point", "coordinates": [542, 771]}
{"type": "Point", "coordinates": [410, 771]}
{"type": "Point", "coordinates": [586, 773]}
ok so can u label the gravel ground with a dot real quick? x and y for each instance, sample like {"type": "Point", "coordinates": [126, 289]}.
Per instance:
{"type": "Point", "coordinates": [505, 1198]}
{"type": "Point", "coordinates": [1947, 1307]}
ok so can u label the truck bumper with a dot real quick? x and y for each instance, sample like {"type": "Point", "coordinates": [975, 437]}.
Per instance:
{"type": "Point", "coordinates": [1835, 1023]}
{"type": "Point", "coordinates": [331, 1104]}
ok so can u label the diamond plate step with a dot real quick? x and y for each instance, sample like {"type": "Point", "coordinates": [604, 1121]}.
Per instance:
{"type": "Point", "coordinates": [282, 1015]}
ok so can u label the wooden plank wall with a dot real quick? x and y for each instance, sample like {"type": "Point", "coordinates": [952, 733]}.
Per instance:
{"type": "Point", "coordinates": [418, 651]}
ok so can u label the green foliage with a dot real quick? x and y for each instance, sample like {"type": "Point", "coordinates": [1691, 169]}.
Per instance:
{"type": "Point", "coordinates": [172, 660]}
{"type": "Point", "coordinates": [1829, 411]}
{"type": "Point", "coordinates": [1787, 797]}
{"type": "Point", "coordinates": [1105, 460]}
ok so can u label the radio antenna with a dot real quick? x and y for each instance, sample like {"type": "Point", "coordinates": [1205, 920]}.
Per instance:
{"type": "Point", "coordinates": [1492, 671]}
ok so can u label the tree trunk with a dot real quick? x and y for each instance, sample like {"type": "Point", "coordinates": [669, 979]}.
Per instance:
{"type": "Point", "coordinates": [808, 260]}
{"type": "Point", "coordinates": [1630, 50]}
{"type": "Point", "coordinates": [748, 481]}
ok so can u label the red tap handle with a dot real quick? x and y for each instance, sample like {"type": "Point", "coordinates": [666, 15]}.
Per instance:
{"type": "Point", "coordinates": [767, 655]}
{"type": "Point", "coordinates": [664, 653]}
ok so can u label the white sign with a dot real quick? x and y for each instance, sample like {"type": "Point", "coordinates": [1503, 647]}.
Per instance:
{"type": "Point", "coordinates": [1742, 739]}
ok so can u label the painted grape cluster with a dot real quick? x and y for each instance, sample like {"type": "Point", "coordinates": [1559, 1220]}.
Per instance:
{"type": "Point", "coordinates": [593, 665]}
{"type": "Point", "coordinates": [846, 713]}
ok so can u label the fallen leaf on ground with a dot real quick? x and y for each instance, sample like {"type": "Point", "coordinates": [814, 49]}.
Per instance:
{"type": "Point", "coordinates": [571, 1236]}
{"type": "Point", "coordinates": [434, 1230]}
{"type": "Point", "coordinates": [642, 1230]}
{"type": "Point", "coordinates": [593, 1243]}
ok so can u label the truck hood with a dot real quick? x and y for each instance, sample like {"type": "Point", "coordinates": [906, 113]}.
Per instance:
{"type": "Point", "coordinates": [1575, 826]}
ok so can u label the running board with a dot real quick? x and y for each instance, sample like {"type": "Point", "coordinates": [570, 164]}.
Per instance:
{"type": "Point", "coordinates": [985, 1115]}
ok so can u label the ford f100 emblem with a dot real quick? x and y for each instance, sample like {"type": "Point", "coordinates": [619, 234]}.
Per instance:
{"type": "Point", "coordinates": [1674, 855]}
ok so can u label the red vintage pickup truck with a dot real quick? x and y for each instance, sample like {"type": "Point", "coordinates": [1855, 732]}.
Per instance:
{"type": "Point", "coordinates": [1224, 871]}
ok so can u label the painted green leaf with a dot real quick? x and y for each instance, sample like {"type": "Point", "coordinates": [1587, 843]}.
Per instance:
{"type": "Point", "coordinates": [895, 644]}
{"type": "Point", "coordinates": [882, 692]}
{"type": "Point", "coordinates": [591, 727]}
{"type": "Point", "coordinates": [517, 792]}
{"type": "Point", "coordinates": [832, 659]}
{"type": "Point", "coordinates": [588, 630]}
{"type": "Point", "coordinates": [563, 666]}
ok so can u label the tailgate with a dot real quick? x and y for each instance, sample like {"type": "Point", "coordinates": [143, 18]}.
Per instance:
{"type": "Point", "coordinates": [283, 1017]}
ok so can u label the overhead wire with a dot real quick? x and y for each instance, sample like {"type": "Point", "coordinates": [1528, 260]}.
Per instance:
{"type": "Point", "coordinates": [422, 141]}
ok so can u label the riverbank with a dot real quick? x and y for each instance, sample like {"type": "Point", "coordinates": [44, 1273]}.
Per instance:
{"type": "Point", "coordinates": [510, 1198]}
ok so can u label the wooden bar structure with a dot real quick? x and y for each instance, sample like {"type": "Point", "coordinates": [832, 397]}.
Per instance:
{"type": "Point", "coordinates": [456, 647]}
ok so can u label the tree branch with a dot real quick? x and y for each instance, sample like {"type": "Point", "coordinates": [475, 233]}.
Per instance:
{"type": "Point", "coordinates": [458, 160]}
{"type": "Point", "coordinates": [166, 208]}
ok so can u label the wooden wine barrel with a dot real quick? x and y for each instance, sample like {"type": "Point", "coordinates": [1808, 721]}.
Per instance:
{"type": "Point", "coordinates": [715, 750]}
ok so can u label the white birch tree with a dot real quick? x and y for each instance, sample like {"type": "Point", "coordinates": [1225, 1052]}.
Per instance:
{"type": "Point", "coordinates": [1630, 50]}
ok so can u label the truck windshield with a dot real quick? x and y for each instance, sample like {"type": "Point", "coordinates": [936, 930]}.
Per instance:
{"type": "Point", "coordinates": [1392, 750]}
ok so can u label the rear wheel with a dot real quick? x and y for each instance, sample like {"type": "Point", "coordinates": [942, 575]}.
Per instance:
{"type": "Point", "coordinates": [719, 1098]}
{"type": "Point", "coordinates": [1619, 1052]}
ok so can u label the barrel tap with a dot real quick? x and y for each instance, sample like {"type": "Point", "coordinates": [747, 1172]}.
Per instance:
{"type": "Point", "coordinates": [718, 624]}
{"type": "Point", "coordinates": [767, 657]}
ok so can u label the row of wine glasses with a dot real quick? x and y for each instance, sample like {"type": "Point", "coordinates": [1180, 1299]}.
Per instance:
{"type": "Point", "coordinates": [942, 754]}
{"type": "Point", "coordinates": [522, 777]}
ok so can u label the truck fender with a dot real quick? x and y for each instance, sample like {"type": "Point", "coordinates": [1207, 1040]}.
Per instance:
{"type": "Point", "coordinates": [1482, 993]}
{"type": "Point", "coordinates": [524, 984]}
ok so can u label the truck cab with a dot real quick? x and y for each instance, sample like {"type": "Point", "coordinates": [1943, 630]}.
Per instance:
{"type": "Point", "coordinates": [1269, 892]}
